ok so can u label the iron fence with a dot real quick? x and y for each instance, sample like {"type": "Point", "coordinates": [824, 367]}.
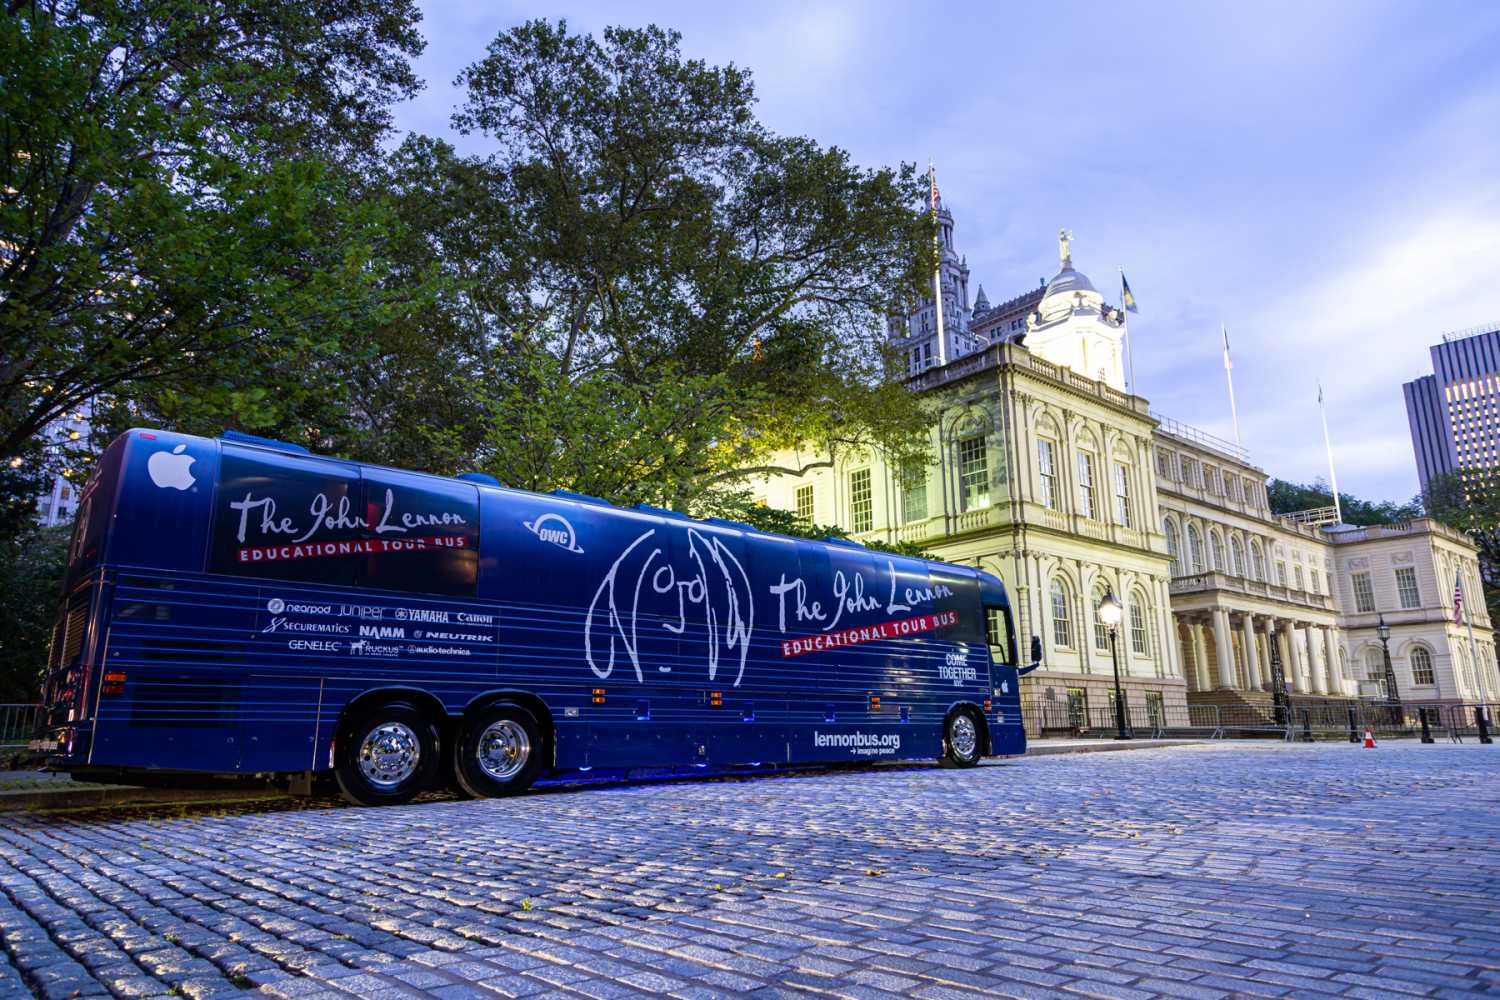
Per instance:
{"type": "Point", "coordinates": [18, 725]}
{"type": "Point", "coordinates": [1298, 721]}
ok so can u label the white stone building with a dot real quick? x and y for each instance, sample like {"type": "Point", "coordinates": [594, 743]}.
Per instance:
{"type": "Point", "coordinates": [1045, 471]}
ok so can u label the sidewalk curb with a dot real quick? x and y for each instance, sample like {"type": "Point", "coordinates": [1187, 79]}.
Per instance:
{"type": "Point", "coordinates": [81, 795]}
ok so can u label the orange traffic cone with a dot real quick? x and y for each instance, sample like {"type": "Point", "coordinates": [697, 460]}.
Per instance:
{"type": "Point", "coordinates": [1369, 739]}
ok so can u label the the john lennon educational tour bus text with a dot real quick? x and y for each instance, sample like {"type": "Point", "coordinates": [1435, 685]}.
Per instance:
{"type": "Point", "coordinates": [240, 606]}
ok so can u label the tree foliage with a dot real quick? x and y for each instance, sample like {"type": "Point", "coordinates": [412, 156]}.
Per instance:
{"type": "Point", "coordinates": [31, 569]}
{"type": "Point", "coordinates": [1286, 498]}
{"type": "Point", "coordinates": [176, 230]}
{"type": "Point", "coordinates": [1470, 502]}
{"type": "Point", "coordinates": [693, 292]}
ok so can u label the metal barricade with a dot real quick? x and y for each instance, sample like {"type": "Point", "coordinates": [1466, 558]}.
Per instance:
{"type": "Point", "coordinates": [18, 725]}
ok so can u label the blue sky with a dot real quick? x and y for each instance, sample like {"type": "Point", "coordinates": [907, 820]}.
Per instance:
{"type": "Point", "coordinates": [1323, 177]}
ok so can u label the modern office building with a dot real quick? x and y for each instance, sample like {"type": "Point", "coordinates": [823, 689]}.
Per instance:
{"type": "Point", "coordinates": [1454, 413]}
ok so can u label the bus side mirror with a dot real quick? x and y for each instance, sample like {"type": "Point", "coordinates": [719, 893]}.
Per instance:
{"type": "Point", "coordinates": [1036, 656]}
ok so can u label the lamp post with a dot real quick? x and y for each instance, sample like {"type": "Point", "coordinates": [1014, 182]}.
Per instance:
{"type": "Point", "coordinates": [1110, 613]}
{"type": "Point", "coordinates": [1391, 695]}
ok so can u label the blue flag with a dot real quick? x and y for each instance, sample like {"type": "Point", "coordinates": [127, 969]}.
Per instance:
{"type": "Point", "coordinates": [1126, 296]}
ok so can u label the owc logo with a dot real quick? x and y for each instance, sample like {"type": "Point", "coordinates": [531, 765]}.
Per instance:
{"type": "Point", "coordinates": [556, 529]}
{"type": "Point", "coordinates": [169, 470]}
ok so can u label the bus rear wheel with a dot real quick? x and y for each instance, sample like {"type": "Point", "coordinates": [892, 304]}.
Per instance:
{"type": "Point", "coordinates": [386, 755]}
{"type": "Point", "coordinates": [499, 751]}
{"type": "Point", "coordinates": [962, 739]}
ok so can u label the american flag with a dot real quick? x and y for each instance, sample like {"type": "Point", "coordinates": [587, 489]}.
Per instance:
{"type": "Point", "coordinates": [1458, 599]}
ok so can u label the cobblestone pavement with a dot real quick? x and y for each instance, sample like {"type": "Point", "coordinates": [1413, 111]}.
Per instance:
{"type": "Point", "coordinates": [1193, 872]}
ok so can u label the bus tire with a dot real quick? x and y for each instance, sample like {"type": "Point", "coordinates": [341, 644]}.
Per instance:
{"type": "Point", "coordinates": [386, 755]}
{"type": "Point", "coordinates": [963, 739]}
{"type": "Point", "coordinates": [499, 751]}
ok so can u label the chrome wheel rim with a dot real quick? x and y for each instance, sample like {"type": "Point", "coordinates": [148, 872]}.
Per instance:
{"type": "Point", "coordinates": [504, 749]}
{"type": "Point", "coordinates": [963, 737]}
{"type": "Point", "coordinates": [389, 754]}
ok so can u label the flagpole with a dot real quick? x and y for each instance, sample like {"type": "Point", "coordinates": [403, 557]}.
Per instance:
{"type": "Point", "coordinates": [1333, 478]}
{"type": "Point", "coordinates": [937, 271]}
{"type": "Point", "coordinates": [1234, 413]}
{"type": "Point", "coordinates": [1125, 322]}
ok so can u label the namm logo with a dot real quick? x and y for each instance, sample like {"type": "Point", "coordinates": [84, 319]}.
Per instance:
{"type": "Point", "coordinates": [382, 631]}
{"type": "Point", "coordinates": [556, 529]}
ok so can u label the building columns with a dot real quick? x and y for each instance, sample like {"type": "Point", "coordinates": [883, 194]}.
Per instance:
{"type": "Point", "coordinates": [1222, 648]}
{"type": "Point", "coordinates": [1293, 668]}
{"type": "Point", "coordinates": [1315, 674]}
{"type": "Point", "coordinates": [1335, 675]}
{"type": "Point", "coordinates": [1198, 632]}
{"type": "Point", "coordinates": [1252, 660]}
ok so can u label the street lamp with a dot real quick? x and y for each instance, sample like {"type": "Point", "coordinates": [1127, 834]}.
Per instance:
{"type": "Point", "coordinates": [1110, 613]}
{"type": "Point", "coordinates": [1384, 632]}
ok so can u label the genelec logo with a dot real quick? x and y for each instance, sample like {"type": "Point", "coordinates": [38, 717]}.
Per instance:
{"type": "Point", "coordinates": [276, 606]}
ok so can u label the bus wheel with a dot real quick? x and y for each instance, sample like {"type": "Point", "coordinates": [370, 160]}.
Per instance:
{"type": "Point", "coordinates": [387, 755]}
{"type": "Point", "coordinates": [499, 752]}
{"type": "Point", "coordinates": [962, 739]}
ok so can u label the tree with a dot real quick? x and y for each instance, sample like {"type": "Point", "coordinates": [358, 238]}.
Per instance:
{"type": "Point", "coordinates": [1470, 502]}
{"type": "Point", "coordinates": [31, 570]}
{"type": "Point", "coordinates": [1286, 497]}
{"type": "Point", "coordinates": [176, 226]}
{"type": "Point", "coordinates": [693, 292]}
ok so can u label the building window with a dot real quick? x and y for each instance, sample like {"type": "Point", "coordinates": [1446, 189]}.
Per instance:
{"type": "Point", "coordinates": [861, 501]}
{"type": "Point", "coordinates": [1236, 557]}
{"type": "Point", "coordinates": [1317, 581]}
{"type": "Point", "coordinates": [1195, 549]}
{"type": "Point", "coordinates": [1406, 588]}
{"type": "Point", "coordinates": [1215, 552]}
{"type": "Point", "coordinates": [914, 491]}
{"type": "Point", "coordinates": [1257, 563]}
{"type": "Point", "coordinates": [1364, 595]}
{"type": "Point", "coordinates": [1122, 494]}
{"type": "Point", "coordinates": [1078, 708]}
{"type": "Point", "coordinates": [1297, 574]}
{"type": "Point", "coordinates": [1048, 473]}
{"type": "Point", "coordinates": [1138, 641]}
{"type": "Point", "coordinates": [974, 472]}
{"type": "Point", "coordinates": [1062, 624]}
{"type": "Point", "coordinates": [805, 503]}
{"type": "Point", "coordinates": [1211, 481]}
{"type": "Point", "coordinates": [1101, 630]}
{"type": "Point", "coordinates": [1086, 484]}
{"type": "Point", "coordinates": [1156, 708]}
{"type": "Point", "coordinates": [1163, 464]}
{"type": "Point", "coordinates": [1169, 528]}
{"type": "Point", "coordinates": [1280, 573]}
{"type": "Point", "coordinates": [1421, 666]}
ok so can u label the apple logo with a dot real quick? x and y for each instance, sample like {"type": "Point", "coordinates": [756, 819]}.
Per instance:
{"type": "Point", "coordinates": [170, 470]}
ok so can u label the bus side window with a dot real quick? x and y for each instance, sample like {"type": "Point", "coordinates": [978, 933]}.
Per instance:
{"type": "Point", "coordinates": [958, 594]}
{"type": "Point", "coordinates": [998, 628]}
{"type": "Point", "coordinates": [425, 534]}
{"type": "Point", "coordinates": [283, 517]}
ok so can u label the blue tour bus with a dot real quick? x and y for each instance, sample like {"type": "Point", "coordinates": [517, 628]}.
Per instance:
{"type": "Point", "coordinates": [241, 606]}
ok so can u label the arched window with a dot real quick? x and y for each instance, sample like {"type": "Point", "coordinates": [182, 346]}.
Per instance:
{"type": "Point", "coordinates": [1215, 551]}
{"type": "Point", "coordinates": [1169, 528]}
{"type": "Point", "coordinates": [1062, 623]}
{"type": "Point", "coordinates": [1257, 562]}
{"type": "Point", "coordinates": [1344, 665]}
{"type": "Point", "coordinates": [1195, 549]}
{"type": "Point", "coordinates": [1236, 557]}
{"type": "Point", "coordinates": [1140, 643]}
{"type": "Point", "coordinates": [1421, 666]}
{"type": "Point", "coordinates": [1375, 668]}
{"type": "Point", "coordinates": [1101, 630]}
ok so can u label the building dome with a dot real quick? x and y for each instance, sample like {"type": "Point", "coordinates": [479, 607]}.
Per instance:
{"type": "Point", "coordinates": [1068, 281]}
